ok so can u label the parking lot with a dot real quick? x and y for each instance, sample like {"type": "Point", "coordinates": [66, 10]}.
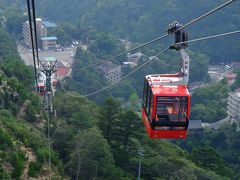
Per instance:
{"type": "Point", "coordinates": [66, 55]}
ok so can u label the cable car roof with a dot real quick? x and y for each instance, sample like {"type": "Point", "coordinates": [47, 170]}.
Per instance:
{"type": "Point", "coordinates": [164, 90]}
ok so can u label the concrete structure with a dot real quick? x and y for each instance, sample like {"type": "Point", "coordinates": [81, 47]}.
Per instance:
{"type": "Point", "coordinates": [49, 42]}
{"type": "Point", "coordinates": [216, 72]}
{"type": "Point", "coordinates": [133, 59]}
{"type": "Point", "coordinates": [127, 44]}
{"type": "Point", "coordinates": [195, 125]}
{"type": "Point", "coordinates": [234, 106]}
{"type": "Point", "coordinates": [41, 31]}
{"type": "Point", "coordinates": [112, 72]}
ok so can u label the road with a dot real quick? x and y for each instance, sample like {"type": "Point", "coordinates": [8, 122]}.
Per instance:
{"type": "Point", "coordinates": [218, 124]}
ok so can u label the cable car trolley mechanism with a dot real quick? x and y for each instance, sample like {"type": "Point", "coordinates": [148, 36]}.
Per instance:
{"type": "Point", "coordinates": [166, 99]}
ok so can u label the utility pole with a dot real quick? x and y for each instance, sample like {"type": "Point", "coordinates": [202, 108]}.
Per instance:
{"type": "Point", "coordinates": [141, 154]}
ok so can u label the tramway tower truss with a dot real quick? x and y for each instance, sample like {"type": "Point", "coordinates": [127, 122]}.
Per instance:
{"type": "Point", "coordinates": [48, 67]}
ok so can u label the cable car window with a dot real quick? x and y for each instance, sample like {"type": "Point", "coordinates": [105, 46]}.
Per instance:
{"type": "Point", "coordinates": [41, 89]}
{"type": "Point", "coordinates": [147, 95]}
{"type": "Point", "coordinates": [145, 92]}
{"type": "Point", "coordinates": [172, 108]}
{"type": "Point", "coordinates": [150, 103]}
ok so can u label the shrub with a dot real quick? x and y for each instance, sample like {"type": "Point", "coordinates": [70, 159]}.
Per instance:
{"type": "Point", "coordinates": [34, 168]}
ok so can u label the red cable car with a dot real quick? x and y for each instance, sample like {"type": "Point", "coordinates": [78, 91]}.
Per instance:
{"type": "Point", "coordinates": [166, 99]}
{"type": "Point", "coordinates": [41, 84]}
{"type": "Point", "coordinates": [41, 88]}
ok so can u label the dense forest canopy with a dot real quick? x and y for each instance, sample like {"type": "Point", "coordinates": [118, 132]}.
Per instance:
{"type": "Point", "coordinates": [101, 141]}
{"type": "Point", "coordinates": [140, 21]}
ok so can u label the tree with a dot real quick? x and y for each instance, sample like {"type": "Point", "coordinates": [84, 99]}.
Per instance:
{"type": "Point", "coordinates": [210, 159]}
{"type": "Point", "coordinates": [17, 160]}
{"type": "Point", "coordinates": [14, 21]}
{"type": "Point", "coordinates": [92, 159]}
{"type": "Point", "coordinates": [108, 114]}
{"type": "Point", "coordinates": [104, 45]}
{"type": "Point", "coordinates": [30, 113]}
{"type": "Point", "coordinates": [127, 131]}
{"type": "Point", "coordinates": [183, 173]}
{"type": "Point", "coordinates": [236, 83]}
{"type": "Point", "coordinates": [63, 141]}
{"type": "Point", "coordinates": [210, 102]}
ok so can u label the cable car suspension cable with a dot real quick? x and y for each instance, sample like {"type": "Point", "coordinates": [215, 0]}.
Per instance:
{"type": "Point", "coordinates": [32, 42]}
{"type": "Point", "coordinates": [126, 76]}
{"type": "Point", "coordinates": [166, 35]}
{"type": "Point", "coordinates": [35, 31]}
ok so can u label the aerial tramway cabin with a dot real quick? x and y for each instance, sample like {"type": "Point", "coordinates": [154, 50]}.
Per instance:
{"type": "Point", "coordinates": [166, 109]}
{"type": "Point", "coordinates": [41, 84]}
{"type": "Point", "coordinates": [41, 87]}
{"type": "Point", "coordinates": [166, 99]}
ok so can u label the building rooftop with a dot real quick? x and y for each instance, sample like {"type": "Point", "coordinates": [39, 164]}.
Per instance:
{"type": "Point", "coordinates": [135, 57]}
{"type": "Point", "coordinates": [107, 67]}
{"type": "Point", "coordinates": [48, 24]}
{"type": "Point", "coordinates": [195, 124]}
{"type": "Point", "coordinates": [49, 58]}
{"type": "Point", "coordinates": [48, 38]}
{"type": "Point", "coordinates": [62, 64]}
{"type": "Point", "coordinates": [62, 72]}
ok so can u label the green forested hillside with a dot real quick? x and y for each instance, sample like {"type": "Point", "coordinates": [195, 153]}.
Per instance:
{"type": "Point", "coordinates": [101, 141]}
{"type": "Point", "coordinates": [210, 144]}
{"type": "Point", "coordinates": [141, 20]}
{"type": "Point", "coordinates": [88, 141]}
{"type": "Point", "coordinates": [106, 140]}
{"type": "Point", "coordinates": [209, 103]}
{"type": "Point", "coordinates": [23, 149]}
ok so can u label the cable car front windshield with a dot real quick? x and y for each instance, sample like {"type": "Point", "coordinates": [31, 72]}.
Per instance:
{"type": "Point", "coordinates": [171, 108]}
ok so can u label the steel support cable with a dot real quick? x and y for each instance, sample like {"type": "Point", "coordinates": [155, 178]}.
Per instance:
{"type": "Point", "coordinates": [35, 31]}
{"type": "Point", "coordinates": [206, 14]}
{"type": "Point", "coordinates": [163, 36]}
{"type": "Point", "coordinates": [34, 41]}
{"type": "Point", "coordinates": [31, 34]}
{"type": "Point", "coordinates": [106, 87]}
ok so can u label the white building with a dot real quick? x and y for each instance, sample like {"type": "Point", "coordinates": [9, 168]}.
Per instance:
{"type": "Point", "coordinates": [112, 72]}
{"type": "Point", "coordinates": [41, 31]}
{"type": "Point", "coordinates": [234, 106]}
{"type": "Point", "coordinates": [49, 42]}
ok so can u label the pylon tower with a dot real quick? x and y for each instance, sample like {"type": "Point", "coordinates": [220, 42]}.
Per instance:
{"type": "Point", "coordinates": [48, 67]}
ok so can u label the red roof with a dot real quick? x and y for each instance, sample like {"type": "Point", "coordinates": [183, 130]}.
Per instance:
{"type": "Point", "coordinates": [164, 90]}
{"type": "Point", "coordinates": [62, 71]}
